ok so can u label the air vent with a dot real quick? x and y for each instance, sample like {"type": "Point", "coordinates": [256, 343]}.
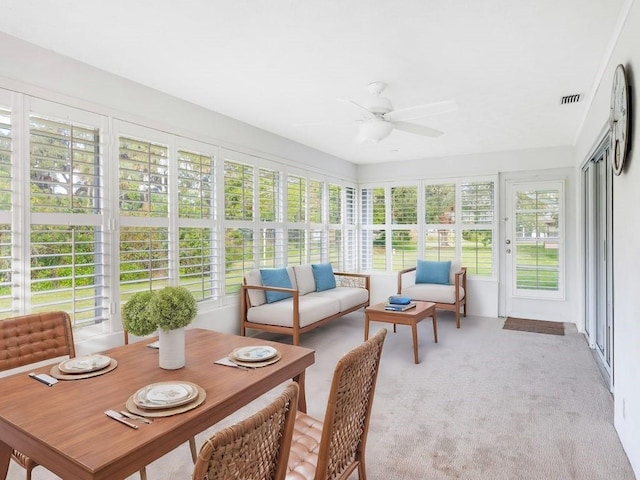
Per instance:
{"type": "Point", "coordinates": [570, 99]}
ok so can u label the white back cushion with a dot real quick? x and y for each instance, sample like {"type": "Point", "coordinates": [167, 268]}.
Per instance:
{"type": "Point", "coordinates": [455, 267]}
{"type": "Point", "coordinates": [305, 279]}
{"type": "Point", "coordinates": [256, 297]}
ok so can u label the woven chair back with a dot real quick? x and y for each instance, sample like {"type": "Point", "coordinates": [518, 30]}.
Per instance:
{"type": "Point", "coordinates": [257, 448]}
{"type": "Point", "coordinates": [346, 421]}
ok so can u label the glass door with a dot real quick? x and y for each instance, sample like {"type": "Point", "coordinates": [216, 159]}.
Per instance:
{"type": "Point", "coordinates": [598, 224]}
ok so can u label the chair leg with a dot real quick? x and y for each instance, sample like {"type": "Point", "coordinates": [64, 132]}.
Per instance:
{"type": "Point", "coordinates": [143, 473]}
{"type": "Point", "coordinates": [362, 473]}
{"type": "Point", "coordinates": [457, 316]}
{"type": "Point", "coordinates": [194, 452]}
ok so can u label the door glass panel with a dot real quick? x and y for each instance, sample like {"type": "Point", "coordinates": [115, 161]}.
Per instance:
{"type": "Point", "coordinates": [538, 241]}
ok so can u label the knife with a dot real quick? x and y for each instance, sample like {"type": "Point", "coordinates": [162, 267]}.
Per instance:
{"type": "Point", "coordinates": [116, 416]}
{"type": "Point", "coordinates": [135, 417]}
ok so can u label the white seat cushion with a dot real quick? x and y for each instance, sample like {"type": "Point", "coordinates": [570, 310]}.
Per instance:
{"type": "Point", "coordinates": [312, 309]}
{"type": "Point", "coordinates": [348, 297]}
{"type": "Point", "coordinates": [431, 292]}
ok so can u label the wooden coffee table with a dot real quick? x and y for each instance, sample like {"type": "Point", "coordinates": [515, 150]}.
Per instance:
{"type": "Point", "coordinates": [422, 310]}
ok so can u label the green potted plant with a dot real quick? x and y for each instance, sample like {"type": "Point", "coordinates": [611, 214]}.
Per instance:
{"type": "Point", "coordinates": [168, 310]}
{"type": "Point", "coordinates": [135, 315]}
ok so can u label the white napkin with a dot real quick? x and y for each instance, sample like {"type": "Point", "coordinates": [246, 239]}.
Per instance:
{"type": "Point", "coordinates": [229, 363]}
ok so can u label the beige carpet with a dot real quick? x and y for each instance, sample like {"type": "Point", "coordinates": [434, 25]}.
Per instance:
{"type": "Point", "coordinates": [484, 403]}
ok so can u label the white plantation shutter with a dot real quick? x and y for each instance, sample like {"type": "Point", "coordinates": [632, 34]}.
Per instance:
{"type": "Point", "coordinates": [67, 236]}
{"type": "Point", "coordinates": [477, 225]}
{"type": "Point", "coordinates": [67, 272]}
{"type": "Point", "coordinates": [296, 199]}
{"type": "Point", "coordinates": [143, 178]}
{"type": "Point", "coordinates": [335, 236]}
{"type": "Point", "coordinates": [6, 192]}
{"type": "Point", "coordinates": [440, 222]}
{"type": "Point", "coordinates": [239, 240]}
{"type": "Point", "coordinates": [373, 231]}
{"type": "Point", "coordinates": [144, 216]}
{"type": "Point", "coordinates": [65, 168]}
{"type": "Point", "coordinates": [404, 233]}
{"type": "Point", "coordinates": [197, 246]}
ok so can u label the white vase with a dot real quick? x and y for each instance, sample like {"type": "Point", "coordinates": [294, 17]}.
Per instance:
{"type": "Point", "coordinates": [172, 349]}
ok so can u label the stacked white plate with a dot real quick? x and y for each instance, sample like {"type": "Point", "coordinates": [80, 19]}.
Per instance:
{"type": "Point", "coordinates": [84, 364]}
{"type": "Point", "coordinates": [258, 353]}
{"type": "Point", "coordinates": [165, 395]}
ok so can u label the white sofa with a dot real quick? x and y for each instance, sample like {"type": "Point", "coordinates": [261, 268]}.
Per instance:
{"type": "Point", "coordinates": [306, 308]}
{"type": "Point", "coordinates": [451, 296]}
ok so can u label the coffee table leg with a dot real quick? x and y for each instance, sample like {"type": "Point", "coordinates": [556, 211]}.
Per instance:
{"type": "Point", "coordinates": [435, 326]}
{"type": "Point", "coordinates": [414, 331]}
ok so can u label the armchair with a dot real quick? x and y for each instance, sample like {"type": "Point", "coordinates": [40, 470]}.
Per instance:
{"type": "Point", "coordinates": [443, 283]}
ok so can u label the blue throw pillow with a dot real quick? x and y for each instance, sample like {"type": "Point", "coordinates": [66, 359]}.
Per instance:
{"type": "Point", "coordinates": [433, 272]}
{"type": "Point", "coordinates": [323, 275]}
{"type": "Point", "coordinates": [275, 277]}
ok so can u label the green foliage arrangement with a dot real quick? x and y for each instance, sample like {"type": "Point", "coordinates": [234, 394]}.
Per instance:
{"type": "Point", "coordinates": [135, 314]}
{"type": "Point", "coordinates": [173, 307]}
{"type": "Point", "coordinates": [168, 308]}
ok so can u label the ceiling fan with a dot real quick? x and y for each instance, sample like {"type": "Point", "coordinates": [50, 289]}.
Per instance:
{"type": "Point", "coordinates": [381, 119]}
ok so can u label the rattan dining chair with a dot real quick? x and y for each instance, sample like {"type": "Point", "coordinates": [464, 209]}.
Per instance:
{"type": "Point", "coordinates": [256, 448]}
{"type": "Point", "coordinates": [334, 447]}
{"type": "Point", "coordinates": [34, 338]}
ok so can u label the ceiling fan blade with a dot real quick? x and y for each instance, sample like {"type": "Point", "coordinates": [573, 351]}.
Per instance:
{"type": "Point", "coordinates": [361, 107]}
{"type": "Point", "coordinates": [419, 111]}
{"type": "Point", "coordinates": [417, 129]}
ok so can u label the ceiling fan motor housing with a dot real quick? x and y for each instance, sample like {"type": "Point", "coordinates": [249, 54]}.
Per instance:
{"type": "Point", "coordinates": [375, 130]}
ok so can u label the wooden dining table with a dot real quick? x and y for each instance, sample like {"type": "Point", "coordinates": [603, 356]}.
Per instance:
{"type": "Point", "coordinates": [64, 427]}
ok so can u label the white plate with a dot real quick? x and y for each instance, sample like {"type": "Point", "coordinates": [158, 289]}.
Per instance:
{"type": "Point", "coordinates": [165, 395]}
{"type": "Point", "coordinates": [84, 364]}
{"type": "Point", "coordinates": [259, 353]}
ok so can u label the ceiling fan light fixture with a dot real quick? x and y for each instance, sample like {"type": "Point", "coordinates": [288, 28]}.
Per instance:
{"type": "Point", "coordinates": [375, 130]}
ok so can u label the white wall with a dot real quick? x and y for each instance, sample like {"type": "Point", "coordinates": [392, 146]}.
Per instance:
{"type": "Point", "coordinates": [27, 68]}
{"type": "Point", "coordinates": [626, 232]}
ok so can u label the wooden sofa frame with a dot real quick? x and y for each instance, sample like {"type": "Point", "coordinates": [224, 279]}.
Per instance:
{"type": "Point", "coordinates": [295, 330]}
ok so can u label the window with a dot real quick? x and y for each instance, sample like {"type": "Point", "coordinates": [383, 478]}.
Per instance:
{"type": "Point", "coordinates": [296, 199]}
{"type": "Point", "coordinates": [271, 236]}
{"type": "Point", "coordinates": [350, 262]}
{"type": "Point", "coordinates": [448, 220]}
{"type": "Point", "coordinates": [67, 238]}
{"type": "Point", "coordinates": [6, 190]}
{"type": "Point", "coordinates": [373, 243]}
{"type": "Point", "coordinates": [334, 241]}
{"type": "Point", "coordinates": [239, 233]}
{"type": "Point", "coordinates": [144, 216]}
{"type": "Point", "coordinates": [538, 246]}
{"type": "Point", "coordinates": [440, 219]}
{"type": "Point", "coordinates": [404, 233]}
{"type": "Point", "coordinates": [238, 191]}
{"type": "Point", "coordinates": [196, 235]}
{"type": "Point", "coordinates": [477, 224]}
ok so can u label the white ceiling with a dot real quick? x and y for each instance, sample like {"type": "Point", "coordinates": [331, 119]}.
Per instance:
{"type": "Point", "coordinates": [279, 63]}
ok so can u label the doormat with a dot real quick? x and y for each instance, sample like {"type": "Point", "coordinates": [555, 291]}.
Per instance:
{"type": "Point", "coordinates": [535, 326]}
